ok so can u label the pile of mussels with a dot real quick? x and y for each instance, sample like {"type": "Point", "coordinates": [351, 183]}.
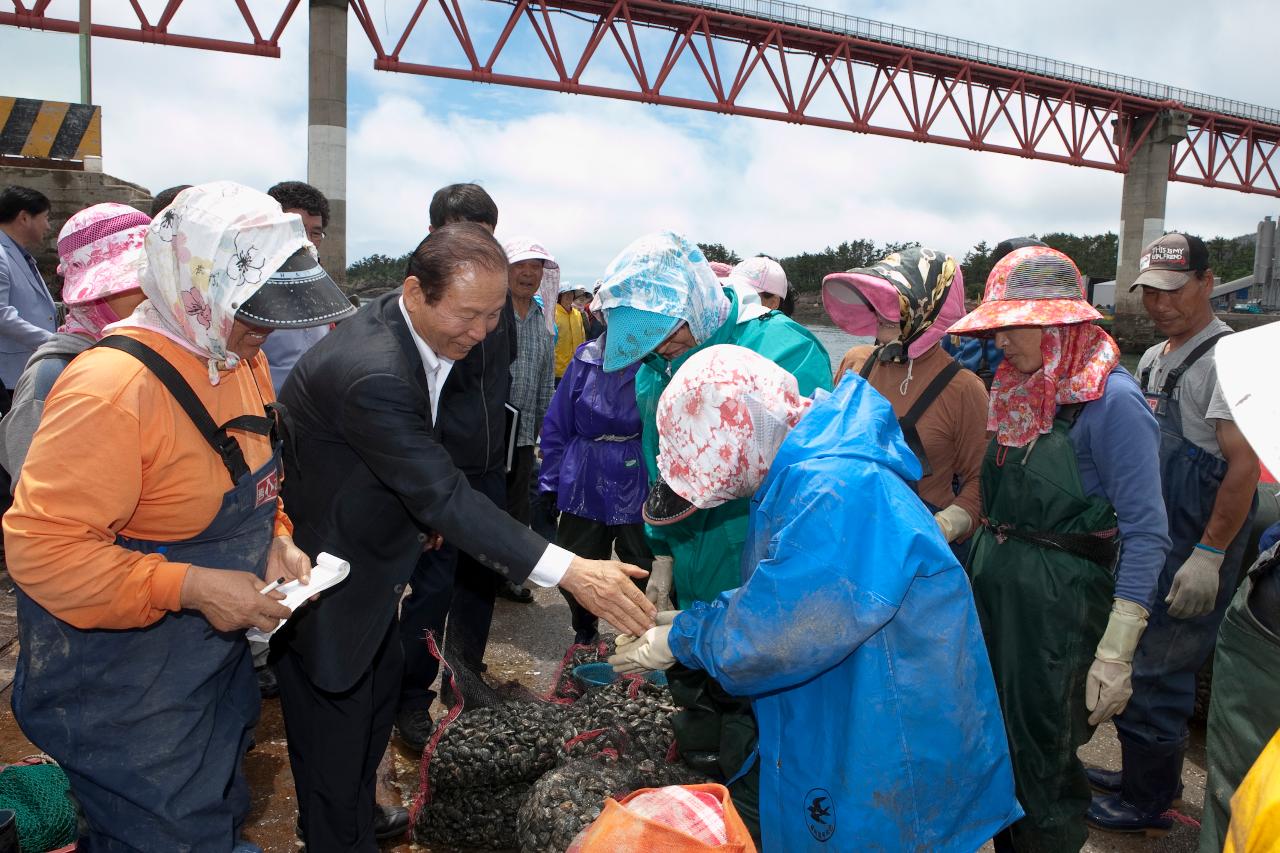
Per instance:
{"type": "Point", "coordinates": [532, 775]}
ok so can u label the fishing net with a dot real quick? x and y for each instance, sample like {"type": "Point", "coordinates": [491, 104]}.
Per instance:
{"type": "Point", "coordinates": [36, 790]}
{"type": "Point", "coordinates": [566, 800]}
{"type": "Point", "coordinates": [500, 746]}
{"type": "Point", "coordinates": [472, 817]}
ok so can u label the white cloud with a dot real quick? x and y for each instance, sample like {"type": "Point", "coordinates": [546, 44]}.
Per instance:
{"type": "Point", "coordinates": [588, 175]}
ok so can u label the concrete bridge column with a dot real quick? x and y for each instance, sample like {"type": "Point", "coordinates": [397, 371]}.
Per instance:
{"type": "Point", "coordinates": [327, 126]}
{"type": "Point", "coordinates": [1142, 220]}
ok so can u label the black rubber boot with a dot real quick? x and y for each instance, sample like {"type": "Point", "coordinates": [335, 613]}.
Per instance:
{"type": "Point", "coordinates": [1151, 778]}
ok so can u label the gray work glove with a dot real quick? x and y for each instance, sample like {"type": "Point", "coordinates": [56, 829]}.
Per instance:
{"type": "Point", "coordinates": [658, 588]}
{"type": "Point", "coordinates": [1108, 686]}
{"type": "Point", "coordinates": [1195, 586]}
{"type": "Point", "coordinates": [649, 651]}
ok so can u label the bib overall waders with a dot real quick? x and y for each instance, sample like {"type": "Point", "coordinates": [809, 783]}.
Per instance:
{"type": "Point", "coordinates": [1153, 728]}
{"type": "Point", "coordinates": [1043, 605]}
{"type": "Point", "coordinates": [1244, 712]}
{"type": "Point", "coordinates": [151, 724]}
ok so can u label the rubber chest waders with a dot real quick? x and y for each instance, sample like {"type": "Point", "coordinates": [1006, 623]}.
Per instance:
{"type": "Point", "coordinates": [1042, 573]}
{"type": "Point", "coordinates": [151, 724]}
{"type": "Point", "coordinates": [1153, 728]}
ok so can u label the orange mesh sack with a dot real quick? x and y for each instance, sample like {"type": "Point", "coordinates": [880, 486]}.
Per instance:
{"type": "Point", "coordinates": [676, 819]}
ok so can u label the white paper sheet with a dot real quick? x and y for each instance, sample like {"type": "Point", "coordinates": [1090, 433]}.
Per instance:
{"type": "Point", "coordinates": [329, 571]}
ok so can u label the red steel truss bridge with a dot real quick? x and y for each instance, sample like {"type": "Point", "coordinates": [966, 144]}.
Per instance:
{"type": "Point", "coordinates": [782, 61]}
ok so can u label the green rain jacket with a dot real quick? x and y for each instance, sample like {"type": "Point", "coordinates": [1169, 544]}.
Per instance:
{"type": "Point", "coordinates": [706, 547]}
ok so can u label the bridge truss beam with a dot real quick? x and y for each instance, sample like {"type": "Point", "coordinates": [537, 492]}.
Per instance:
{"type": "Point", "coordinates": [879, 88]}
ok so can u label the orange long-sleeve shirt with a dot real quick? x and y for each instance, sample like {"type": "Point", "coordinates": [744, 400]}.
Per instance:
{"type": "Point", "coordinates": [116, 454]}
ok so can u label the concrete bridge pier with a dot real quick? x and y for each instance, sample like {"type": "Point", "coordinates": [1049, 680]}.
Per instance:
{"type": "Point", "coordinates": [1142, 220]}
{"type": "Point", "coordinates": [327, 125]}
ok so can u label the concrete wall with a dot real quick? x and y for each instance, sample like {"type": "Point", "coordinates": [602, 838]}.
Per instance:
{"type": "Point", "coordinates": [70, 191]}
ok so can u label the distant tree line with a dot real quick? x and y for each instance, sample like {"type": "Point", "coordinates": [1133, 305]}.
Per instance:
{"type": "Point", "coordinates": [1095, 255]}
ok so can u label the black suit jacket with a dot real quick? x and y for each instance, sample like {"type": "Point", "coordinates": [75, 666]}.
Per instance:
{"type": "Point", "coordinates": [366, 477]}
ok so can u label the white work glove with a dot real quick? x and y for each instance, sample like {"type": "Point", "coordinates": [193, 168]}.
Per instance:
{"type": "Point", "coordinates": [954, 521]}
{"type": "Point", "coordinates": [1108, 687]}
{"type": "Point", "coordinates": [1195, 586]}
{"type": "Point", "coordinates": [658, 588]}
{"type": "Point", "coordinates": [648, 652]}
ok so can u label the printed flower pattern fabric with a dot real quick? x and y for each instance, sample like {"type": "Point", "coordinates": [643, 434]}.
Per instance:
{"type": "Point", "coordinates": [927, 287]}
{"type": "Point", "coordinates": [205, 256]}
{"type": "Point", "coordinates": [667, 274]}
{"type": "Point", "coordinates": [721, 422]}
{"type": "Point", "coordinates": [1031, 286]}
{"type": "Point", "coordinates": [1077, 361]}
{"type": "Point", "coordinates": [101, 254]}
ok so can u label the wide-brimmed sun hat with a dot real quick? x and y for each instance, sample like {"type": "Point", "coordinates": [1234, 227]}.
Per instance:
{"type": "Point", "coordinates": [298, 295]}
{"type": "Point", "coordinates": [101, 252]}
{"type": "Point", "coordinates": [1032, 286]}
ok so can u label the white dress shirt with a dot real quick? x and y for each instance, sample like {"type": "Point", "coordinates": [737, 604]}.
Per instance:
{"type": "Point", "coordinates": [554, 561]}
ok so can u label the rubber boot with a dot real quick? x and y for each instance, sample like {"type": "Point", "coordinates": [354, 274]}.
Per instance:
{"type": "Point", "coordinates": [8, 831]}
{"type": "Point", "coordinates": [1109, 781]}
{"type": "Point", "coordinates": [1150, 779]}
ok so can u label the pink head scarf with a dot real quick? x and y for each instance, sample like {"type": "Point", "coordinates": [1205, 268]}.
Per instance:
{"type": "Point", "coordinates": [920, 290]}
{"type": "Point", "coordinates": [100, 254]}
{"type": "Point", "coordinates": [1077, 361]}
{"type": "Point", "coordinates": [721, 422]}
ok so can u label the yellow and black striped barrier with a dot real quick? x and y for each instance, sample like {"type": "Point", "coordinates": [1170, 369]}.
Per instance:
{"type": "Point", "coordinates": [49, 130]}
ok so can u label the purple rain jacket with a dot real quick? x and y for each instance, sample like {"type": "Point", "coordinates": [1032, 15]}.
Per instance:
{"type": "Point", "coordinates": [591, 453]}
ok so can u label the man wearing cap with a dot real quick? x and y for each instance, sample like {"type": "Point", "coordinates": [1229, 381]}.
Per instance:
{"type": "Point", "coordinates": [147, 522]}
{"type": "Point", "coordinates": [1209, 476]}
{"type": "Point", "coordinates": [533, 372]}
{"type": "Point", "coordinates": [369, 480]}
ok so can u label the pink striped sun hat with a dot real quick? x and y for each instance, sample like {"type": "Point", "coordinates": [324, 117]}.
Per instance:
{"type": "Point", "coordinates": [101, 252]}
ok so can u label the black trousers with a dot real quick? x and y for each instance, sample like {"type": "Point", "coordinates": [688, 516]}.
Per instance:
{"type": "Point", "coordinates": [336, 741]}
{"type": "Point", "coordinates": [595, 540]}
{"type": "Point", "coordinates": [518, 479]}
{"type": "Point", "coordinates": [448, 587]}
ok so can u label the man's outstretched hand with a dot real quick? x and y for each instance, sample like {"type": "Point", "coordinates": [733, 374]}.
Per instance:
{"type": "Point", "coordinates": [605, 588]}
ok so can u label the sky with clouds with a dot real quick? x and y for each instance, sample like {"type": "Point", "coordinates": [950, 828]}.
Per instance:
{"type": "Point", "coordinates": [587, 175]}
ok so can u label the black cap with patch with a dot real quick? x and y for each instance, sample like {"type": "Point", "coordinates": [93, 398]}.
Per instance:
{"type": "Point", "coordinates": [1170, 262]}
{"type": "Point", "coordinates": [297, 296]}
{"type": "Point", "coordinates": [664, 506]}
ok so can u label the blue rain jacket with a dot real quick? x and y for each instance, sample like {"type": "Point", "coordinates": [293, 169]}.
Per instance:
{"type": "Point", "coordinates": [855, 634]}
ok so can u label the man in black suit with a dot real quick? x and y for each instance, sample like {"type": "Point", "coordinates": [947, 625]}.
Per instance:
{"type": "Point", "coordinates": [368, 480]}
{"type": "Point", "coordinates": [448, 584]}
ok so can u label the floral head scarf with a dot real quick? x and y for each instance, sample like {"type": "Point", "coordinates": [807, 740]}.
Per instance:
{"type": "Point", "coordinates": [721, 421]}
{"type": "Point", "coordinates": [208, 252]}
{"type": "Point", "coordinates": [100, 255]}
{"type": "Point", "coordinates": [920, 289]}
{"type": "Point", "coordinates": [665, 273]}
{"type": "Point", "coordinates": [1077, 361]}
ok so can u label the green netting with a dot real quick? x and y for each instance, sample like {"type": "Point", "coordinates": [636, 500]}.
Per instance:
{"type": "Point", "coordinates": [37, 793]}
